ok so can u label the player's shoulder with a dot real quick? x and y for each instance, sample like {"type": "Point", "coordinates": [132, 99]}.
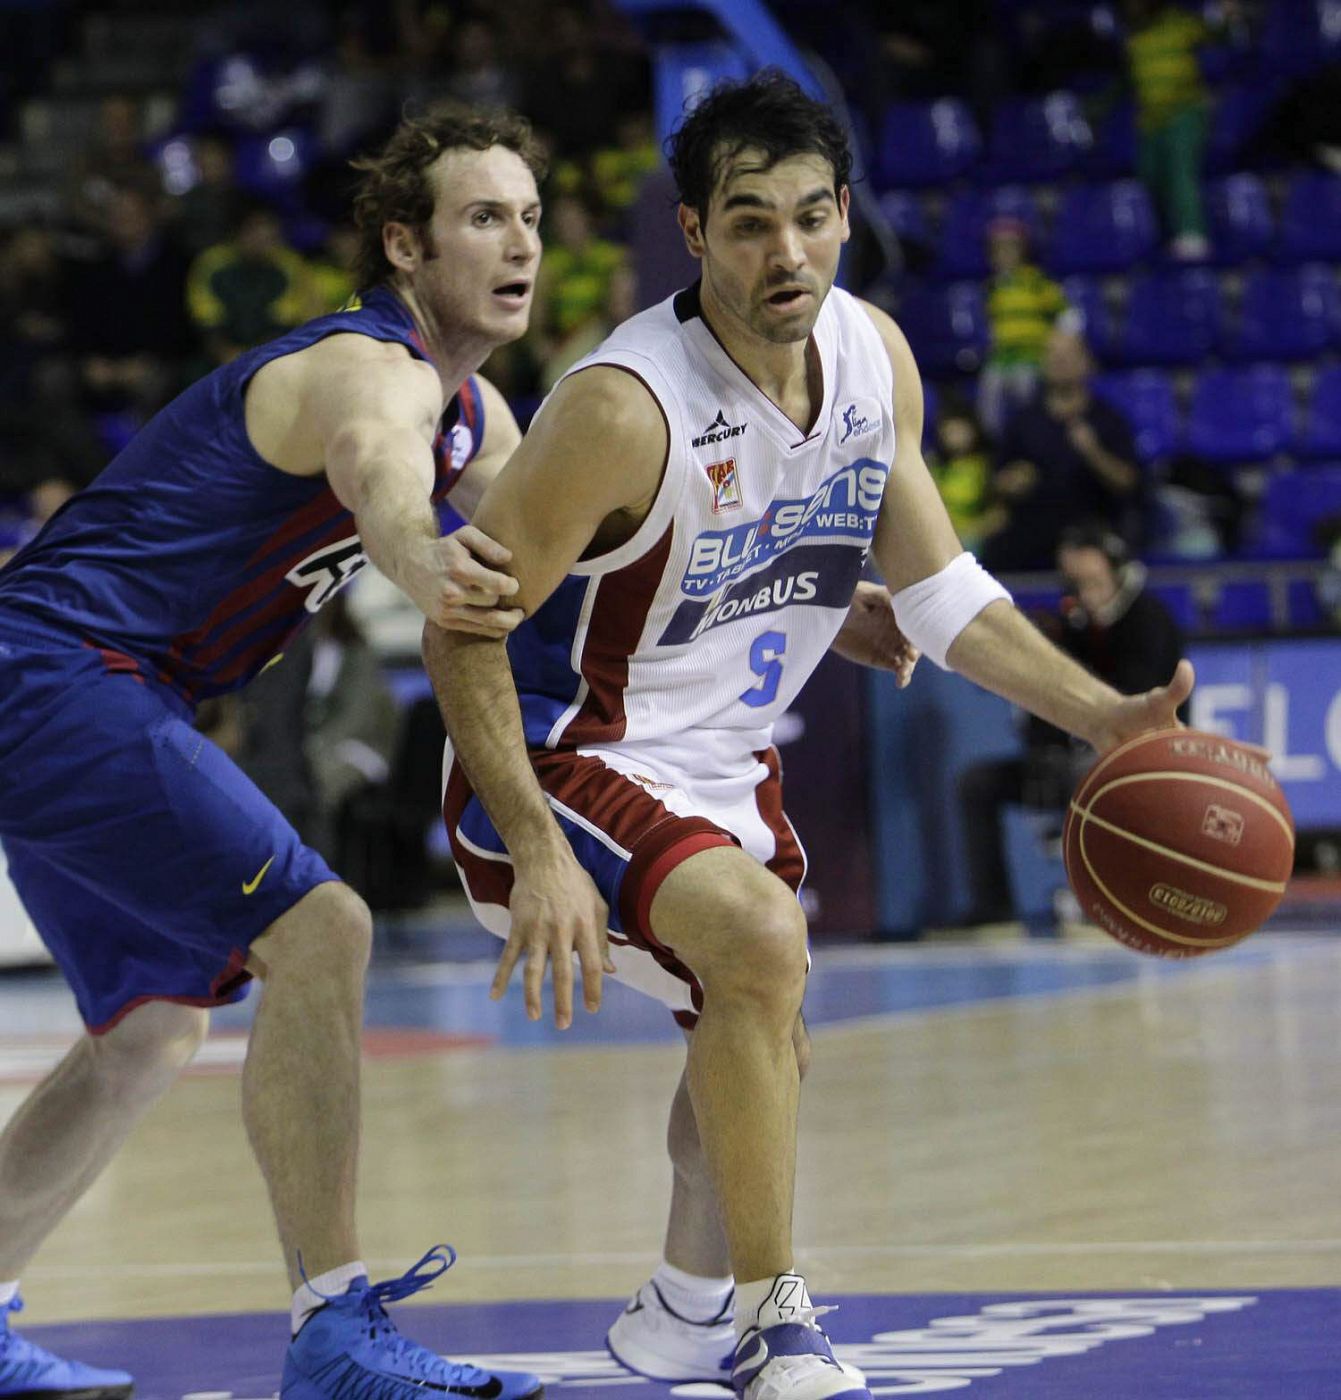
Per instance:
{"type": "Point", "coordinates": [351, 358]}
{"type": "Point", "coordinates": [607, 403]}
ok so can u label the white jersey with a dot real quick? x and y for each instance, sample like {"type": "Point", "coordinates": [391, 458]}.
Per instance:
{"type": "Point", "coordinates": [700, 630]}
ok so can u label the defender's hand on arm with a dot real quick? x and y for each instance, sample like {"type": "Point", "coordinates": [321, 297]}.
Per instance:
{"type": "Point", "coordinates": [375, 411]}
{"type": "Point", "coordinates": [453, 585]}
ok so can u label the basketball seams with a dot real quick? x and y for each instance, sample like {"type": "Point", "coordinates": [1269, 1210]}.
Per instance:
{"type": "Point", "coordinates": [1205, 944]}
{"type": "Point", "coordinates": [1250, 881]}
{"type": "Point", "coordinates": [1179, 775]}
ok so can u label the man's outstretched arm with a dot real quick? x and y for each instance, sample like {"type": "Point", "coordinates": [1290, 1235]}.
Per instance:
{"type": "Point", "coordinates": [597, 450]}
{"type": "Point", "coordinates": [947, 606]}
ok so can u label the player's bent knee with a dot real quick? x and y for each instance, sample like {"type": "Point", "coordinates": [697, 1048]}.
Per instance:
{"type": "Point", "coordinates": [762, 951]}
{"type": "Point", "coordinates": [152, 1044]}
{"type": "Point", "coordinates": [330, 927]}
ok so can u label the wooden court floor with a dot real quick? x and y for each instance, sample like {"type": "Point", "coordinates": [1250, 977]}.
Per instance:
{"type": "Point", "coordinates": [1172, 1131]}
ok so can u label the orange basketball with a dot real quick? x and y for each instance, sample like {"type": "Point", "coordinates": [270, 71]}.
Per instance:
{"type": "Point", "coordinates": [1179, 843]}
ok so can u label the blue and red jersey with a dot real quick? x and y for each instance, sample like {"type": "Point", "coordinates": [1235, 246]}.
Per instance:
{"type": "Point", "coordinates": [191, 559]}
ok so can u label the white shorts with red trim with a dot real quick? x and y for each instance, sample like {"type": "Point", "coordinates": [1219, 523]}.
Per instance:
{"type": "Point", "coordinates": [632, 815]}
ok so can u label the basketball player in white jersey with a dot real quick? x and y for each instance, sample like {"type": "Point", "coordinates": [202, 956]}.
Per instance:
{"type": "Point", "coordinates": [688, 518]}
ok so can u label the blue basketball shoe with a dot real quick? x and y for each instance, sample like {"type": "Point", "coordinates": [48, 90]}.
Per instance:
{"type": "Point", "coordinates": [349, 1349]}
{"type": "Point", "coordinates": [29, 1373]}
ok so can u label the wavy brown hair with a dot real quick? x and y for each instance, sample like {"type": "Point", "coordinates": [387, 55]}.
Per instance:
{"type": "Point", "coordinates": [395, 187]}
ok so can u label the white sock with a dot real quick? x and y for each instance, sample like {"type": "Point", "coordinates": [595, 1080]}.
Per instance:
{"type": "Point", "coordinates": [690, 1295]}
{"type": "Point", "coordinates": [769, 1301]}
{"type": "Point", "coordinates": [8, 1292]}
{"type": "Point", "coordinates": [317, 1292]}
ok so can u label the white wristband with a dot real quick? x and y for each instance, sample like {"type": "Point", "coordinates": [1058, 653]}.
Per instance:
{"type": "Point", "coordinates": [934, 611]}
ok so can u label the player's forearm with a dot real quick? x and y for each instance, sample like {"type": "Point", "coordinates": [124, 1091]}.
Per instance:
{"type": "Point", "coordinates": [472, 680]}
{"type": "Point", "coordinates": [397, 523]}
{"type": "Point", "coordinates": [1002, 651]}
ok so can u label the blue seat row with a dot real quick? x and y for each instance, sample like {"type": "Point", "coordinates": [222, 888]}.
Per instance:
{"type": "Point", "coordinates": [1032, 139]}
{"type": "Point", "coordinates": [1239, 415]}
{"type": "Point", "coordinates": [1182, 318]}
{"type": "Point", "coordinates": [1108, 227]}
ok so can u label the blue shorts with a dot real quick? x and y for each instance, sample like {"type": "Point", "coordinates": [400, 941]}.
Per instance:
{"type": "Point", "coordinates": [148, 862]}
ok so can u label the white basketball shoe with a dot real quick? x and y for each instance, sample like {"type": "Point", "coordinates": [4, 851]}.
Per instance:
{"type": "Point", "coordinates": [650, 1338]}
{"type": "Point", "coordinates": [785, 1355]}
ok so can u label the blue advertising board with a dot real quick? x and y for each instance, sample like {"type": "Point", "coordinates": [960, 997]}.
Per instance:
{"type": "Point", "coordinates": [1285, 695]}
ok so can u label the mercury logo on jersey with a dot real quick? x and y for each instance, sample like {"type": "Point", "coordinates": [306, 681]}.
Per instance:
{"type": "Point", "coordinates": [327, 571]}
{"type": "Point", "coordinates": [718, 431]}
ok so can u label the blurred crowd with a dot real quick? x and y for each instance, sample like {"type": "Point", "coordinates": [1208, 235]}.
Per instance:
{"type": "Point", "coordinates": [185, 236]}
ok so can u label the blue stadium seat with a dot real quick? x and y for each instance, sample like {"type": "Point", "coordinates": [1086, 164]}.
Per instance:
{"type": "Point", "coordinates": [963, 241]}
{"type": "Point", "coordinates": [1243, 605]}
{"type": "Point", "coordinates": [273, 166]}
{"type": "Point", "coordinates": [1320, 431]}
{"type": "Point", "coordinates": [1293, 508]}
{"type": "Point", "coordinates": [1103, 228]}
{"type": "Point", "coordinates": [1287, 314]}
{"type": "Point", "coordinates": [1036, 138]}
{"type": "Point", "coordinates": [1113, 152]}
{"type": "Point", "coordinates": [1237, 116]}
{"type": "Point", "coordinates": [1305, 607]}
{"type": "Point", "coordinates": [1171, 318]}
{"type": "Point", "coordinates": [1179, 599]}
{"type": "Point", "coordinates": [1291, 41]}
{"type": "Point", "coordinates": [1145, 397]}
{"type": "Point", "coordinates": [1310, 221]}
{"type": "Point", "coordinates": [927, 143]}
{"type": "Point", "coordinates": [946, 327]}
{"type": "Point", "coordinates": [1086, 295]}
{"type": "Point", "coordinates": [906, 215]}
{"type": "Point", "coordinates": [1240, 415]}
{"type": "Point", "coordinates": [1239, 212]}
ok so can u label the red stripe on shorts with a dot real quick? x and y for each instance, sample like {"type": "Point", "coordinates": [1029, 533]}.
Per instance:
{"type": "Point", "coordinates": [789, 860]}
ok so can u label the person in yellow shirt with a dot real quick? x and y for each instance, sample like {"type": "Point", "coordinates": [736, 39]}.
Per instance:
{"type": "Point", "coordinates": [1023, 304]}
{"type": "Point", "coordinates": [961, 466]}
{"type": "Point", "coordinates": [1172, 115]}
{"type": "Point", "coordinates": [246, 291]}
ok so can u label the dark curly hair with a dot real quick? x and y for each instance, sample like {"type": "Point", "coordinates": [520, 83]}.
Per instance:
{"type": "Point", "coordinates": [395, 187]}
{"type": "Point", "coordinates": [769, 112]}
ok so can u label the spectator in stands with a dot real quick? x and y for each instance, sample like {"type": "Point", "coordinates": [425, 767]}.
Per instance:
{"type": "Point", "coordinates": [331, 268]}
{"type": "Point", "coordinates": [1066, 457]}
{"type": "Point", "coordinates": [1023, 304]}
{"type": "Point", "coordinates": [620, 302]}
{"type": "Point", "coordinates": [472, 67]}
{"type": "Point", "coordinates": [32, 310]}
{"type": "Point", "coordinates": [351, 720]}
{"type": "Point", "coordinates": [127, 308]}
{"type": "Point", "coordinates": [112, 159]}
{"type": "Point", "coordinates": [962, 468]}
{"type": "Point", "coordinates": [573, 290]}
{"type": "Point", "coordinates": [1172, 115]}
{"type": "Point", "coordinates": [1112, 625]}
{"type": "Point", "coordinates": [209, 211]}
{"type": "Point", "coordinates": [578, 84]}
{"type": "Point", "coordinates": [250, 289]}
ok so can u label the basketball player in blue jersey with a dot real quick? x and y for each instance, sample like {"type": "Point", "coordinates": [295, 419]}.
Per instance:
{"type": "Point", "coordinates": [688, 516]}
{"type": "Point", "coordinates": [159, 877]}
